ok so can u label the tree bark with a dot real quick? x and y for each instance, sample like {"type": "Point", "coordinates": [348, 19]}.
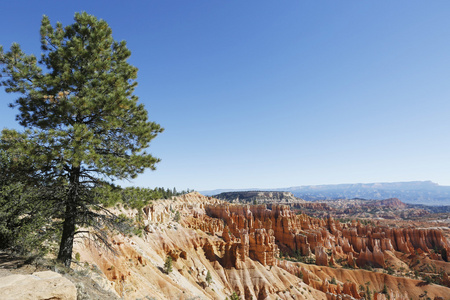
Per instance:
{"type": "Point", "coordinates": [70, 216]}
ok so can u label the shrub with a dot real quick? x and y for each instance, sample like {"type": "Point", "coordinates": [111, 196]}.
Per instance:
{"type": "Point", "coordinates": [168, 265]}
{"type": "Point", "coordinates": [234, 296]}
{"type": "Point", "coordinates": [208, 278]}
{"type": "Point", "coordinates": [177, 217]}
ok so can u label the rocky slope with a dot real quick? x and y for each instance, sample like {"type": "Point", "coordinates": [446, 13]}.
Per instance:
{"type": "Point", "coordinates": [196, 247]}
{"type": "Point", "coordinates": [38, 285]}
{"type": "Point", "coordinates": [266, 252]}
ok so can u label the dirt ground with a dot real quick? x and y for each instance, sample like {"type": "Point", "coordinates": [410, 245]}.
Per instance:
{"type": "Point", "coordinates": [10, 265]}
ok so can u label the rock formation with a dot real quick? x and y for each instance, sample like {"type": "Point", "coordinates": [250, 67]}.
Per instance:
{"type": "Point", "coordinates": [303, 234]}
{"type": "Point", "coordinates": [39, 285]}
{"type": "Point", "coordinates": [240, 246]}
{"type": "Point", "coordinates": [321, 256]}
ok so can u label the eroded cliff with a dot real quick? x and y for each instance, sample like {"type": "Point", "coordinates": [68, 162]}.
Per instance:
{"type": "Point", "coordinates": [264, 252]}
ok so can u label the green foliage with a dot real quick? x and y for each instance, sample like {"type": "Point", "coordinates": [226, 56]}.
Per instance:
{"type": "Point", "coordinates": [368, 293]}
{"type": "Point", "coordinates": [84, 127]}
{"type": "Point", "coordinates": [136, 197]}
{"type": "Point", "coordinates": [369, 267]}
{"type": "Point", "coordinates": [344, 220]}
{"type": "Point", "coordinates": [22, 224]}
{"type": "Point", "coordinates": [390, 271]}
{"type": "Point", "coordinates": [177, 217]}
{"type": "Point", "coordinates": [208, 278]}
{"type": "Point", "coordinates": [163, 193]}
{"type": "Point", "coordinates": [428, 279]}
{"type": "Point", "coordinates": [24, 212]}
{"type": "Point", "coordinates": [168, 265]}
{"type": "Point", "coordinates": [234, 296]}
{"type": "Point", "coordinates": [333, 280]}
{"type": "Point", "coordinates": [297, 257]}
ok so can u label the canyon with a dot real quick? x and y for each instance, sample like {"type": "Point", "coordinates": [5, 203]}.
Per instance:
{"type": "Point", "coordinates": [268, 251]}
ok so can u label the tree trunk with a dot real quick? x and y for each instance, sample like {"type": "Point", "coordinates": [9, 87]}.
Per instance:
{"type": "Point", "coordinates": [70, 216]}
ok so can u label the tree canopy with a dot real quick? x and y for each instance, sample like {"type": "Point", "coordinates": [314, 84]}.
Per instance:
{"type": "Point", "coordinates": [84, 127]}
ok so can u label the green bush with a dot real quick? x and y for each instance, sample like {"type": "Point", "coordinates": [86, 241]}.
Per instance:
{"type": "Point", "coordinates": [168, 265]}
{"type": "Point", "coordinates": [177, 217]}
{"type": "Point", "coordinates": [208, 278]}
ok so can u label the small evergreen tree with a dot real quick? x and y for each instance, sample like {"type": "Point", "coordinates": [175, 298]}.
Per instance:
{"type": "Point", "coordinates": [177, 217]}
{"type": "Point", "coordinates": [168, 265]}
{"type": "Point", "coordinates": [368, 292]}
{"type": "Point", "coordinates": [208, 278]}
{"type": "Point", "coordinates": [234, 296]}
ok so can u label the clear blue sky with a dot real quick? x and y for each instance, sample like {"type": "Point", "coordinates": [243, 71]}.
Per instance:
{"type": "Point", "coordinates": [265, 94]}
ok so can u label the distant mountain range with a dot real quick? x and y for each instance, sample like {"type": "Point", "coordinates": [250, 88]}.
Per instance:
{"type": "Point", "coordinates": [414, 192]}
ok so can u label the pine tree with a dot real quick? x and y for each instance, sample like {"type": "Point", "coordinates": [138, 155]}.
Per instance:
{"type": "Point", "coordinates": [208, 278]}
{"type": "Point", "coordinates": [168, 265]}
{"type": "Point", "coordinates": [177, 217]}
{"type": "Point", "coordinates": [83, 125]}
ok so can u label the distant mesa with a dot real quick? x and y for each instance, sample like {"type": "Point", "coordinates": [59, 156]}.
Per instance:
{"type": "Point", "coordinates": [392, 202]}
{"type": "Point", "coordinates": [413, 192]}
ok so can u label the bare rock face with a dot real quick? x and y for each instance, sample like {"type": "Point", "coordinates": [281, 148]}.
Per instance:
{"type": "Point", "coordinates": [252, 239]}
{"type": "Point", "coordinates": [301, 234]}
{"type": "Point", "coordinates": [375, 258]}
{"type": "Point", "coordinates": [39, 285]}
{"type": "Point", "coordinates": [351, 289]}
{"type": "Point", "coordinates": [262, 247]}
{"type": "Point", "coordinates": [379, 296]}
{"type": "Point", "coordinates": [225, 234]}
{"type": "Point", "coordinates": [321, 256]}
{"type": "Point", "coordinates": [391, 202]}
